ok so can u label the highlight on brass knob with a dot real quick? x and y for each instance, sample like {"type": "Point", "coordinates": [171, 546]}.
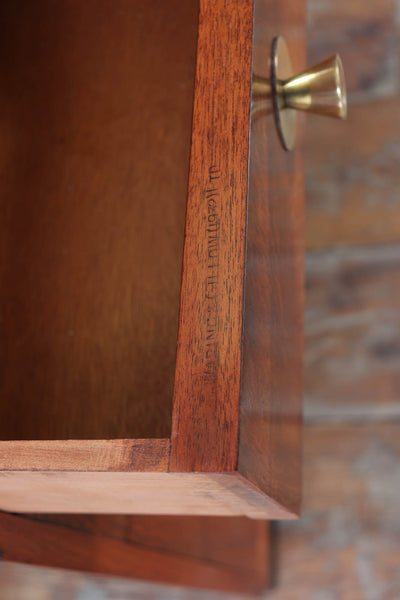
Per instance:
{"type": "Point", "coordinates": [320, 89]}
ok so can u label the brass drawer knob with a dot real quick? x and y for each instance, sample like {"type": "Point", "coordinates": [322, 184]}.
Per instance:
{"type": "Point", "coordinates": [320, 89]}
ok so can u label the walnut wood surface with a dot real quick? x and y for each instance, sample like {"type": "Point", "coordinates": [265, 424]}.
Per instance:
{"type": "Point", "coordinates": [85, 455]}
{"type": "Point", "coordinates": [210, 359]}
{"type": "Point", "coordinates": [96, 123]}
{"type": "Point", "coordinates": [226, 554]}
{"type": "Point", "coordinates": [206, 408]}
{"type": "Point", "coordinates": [271, 389]}
{"type": "Point", "coordinates": [206, 396]}
{"type": "Point", "coordinates": [347, 542]}
{"type": "Point", "coordinates": [218, 494]}
{"type": "Point", "coordinates": [229, 553]}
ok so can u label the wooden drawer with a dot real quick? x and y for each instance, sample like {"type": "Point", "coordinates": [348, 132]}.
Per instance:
{"type": "Point", "coordinates": [99, 412]}
{"type": "Point", "coordinates": [152, 268]}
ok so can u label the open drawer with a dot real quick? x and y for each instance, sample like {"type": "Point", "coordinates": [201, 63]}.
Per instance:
{"type": "Point", "coordinates": [151, 261]}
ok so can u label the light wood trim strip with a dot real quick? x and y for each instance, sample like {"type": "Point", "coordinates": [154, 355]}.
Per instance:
{"type": "Point", "coordinates": [85, 455]}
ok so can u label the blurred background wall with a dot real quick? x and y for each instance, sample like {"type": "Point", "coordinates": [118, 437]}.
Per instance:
{"type": "Point", "coordinates": [347, 544]}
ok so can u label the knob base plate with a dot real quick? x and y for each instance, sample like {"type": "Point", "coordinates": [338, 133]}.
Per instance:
{"type": "Point", "coordinates": [282, 70]}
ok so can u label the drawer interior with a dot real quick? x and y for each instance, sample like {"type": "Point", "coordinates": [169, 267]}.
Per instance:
{"type": "Point", "coordinates": [96, 106]}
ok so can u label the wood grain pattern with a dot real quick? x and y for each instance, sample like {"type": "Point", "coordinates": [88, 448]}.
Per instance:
{"type": "Point", "coordinates": [345, 546]}
{"type": "Point", "coordinates": [214, 494]}
{"type": "Point", "coordinates": [208, 367]}
{"type": "Point", "coordinates": [93, 106]}
{"type": "Point", "coordinates": [70, 546]}
{"type": "Point", "coordinates": [206, 396]}
{"type": "Point", "coordinates": [226, 554]}
{"type": "Point", "coordinates": [271, 391]}
{"type": "Point", "coordinates": [352, 177]}
{"type": "Point", "coordinates": [85, 455]}
{"type": "Point", "coordinates": [211, 539]}
{"type": "Point", "coordinates": [352, 333]}
{"type": "Point", "coordinates": [229, 553]}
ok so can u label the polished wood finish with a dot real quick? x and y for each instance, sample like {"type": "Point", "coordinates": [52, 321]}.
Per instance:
{"type": "Point", "coordinates": [232, 199]}
{"type": "Point", "coordinates": [85, 455]}
{"type": "Point", "coordinates": [206, 396]}
{"type": "Point", "coordinates": [218, 494]}
{"type": "Point", "coordinates": [346, 541]}
{"type": "Point", "coordinates": [94, 161]}
{"type": "Point", "coordinates": [272, 370]}
{"type": "Point", "coordinates": [117, 188]}
{"type": "Point", "coordinates": [224, 554]}
{"type": "Point", "coordinates": [206, 408]}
